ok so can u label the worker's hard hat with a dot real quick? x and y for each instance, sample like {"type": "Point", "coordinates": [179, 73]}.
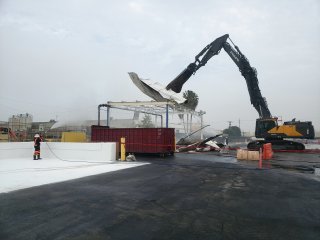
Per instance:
{"type": "Point", "coordinates": [37, 135]}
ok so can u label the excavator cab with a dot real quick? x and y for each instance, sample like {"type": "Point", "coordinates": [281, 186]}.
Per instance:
{"type": "Point", "coordinates": [264, 125]}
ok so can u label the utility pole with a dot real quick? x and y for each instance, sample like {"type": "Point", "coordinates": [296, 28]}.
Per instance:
{"type": "Point", "coordinates": [229, 123]}
{"type": "Point", "coordinates": [201, 119]}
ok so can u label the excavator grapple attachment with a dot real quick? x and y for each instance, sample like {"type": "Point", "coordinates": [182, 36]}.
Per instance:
{"type": "Point", "coordinates": [177, 83]}
{"type": "Point", "coordinates": [208, 52]}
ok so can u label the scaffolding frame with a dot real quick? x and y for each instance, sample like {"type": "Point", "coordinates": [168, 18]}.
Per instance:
{"type": "Point", "coordinates": [152, 108]}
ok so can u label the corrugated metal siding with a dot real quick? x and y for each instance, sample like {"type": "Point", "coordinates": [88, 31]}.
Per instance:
{"type": "Point", "coordinates": [138, 140]}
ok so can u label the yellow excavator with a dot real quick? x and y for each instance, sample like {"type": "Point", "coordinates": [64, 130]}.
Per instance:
{"type": "Point", "coordinates": [267, 126]}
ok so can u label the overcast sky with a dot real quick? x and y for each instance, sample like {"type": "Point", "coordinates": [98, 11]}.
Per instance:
{"type": "Point", "coordinates": [61, 58]}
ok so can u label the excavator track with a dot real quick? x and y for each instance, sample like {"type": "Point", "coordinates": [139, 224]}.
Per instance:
{"type": "Point", "coordinates": [276, 145]}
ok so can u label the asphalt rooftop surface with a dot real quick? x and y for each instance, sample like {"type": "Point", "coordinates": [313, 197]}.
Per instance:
{"type": "Point", "coordinates": [182, 197]}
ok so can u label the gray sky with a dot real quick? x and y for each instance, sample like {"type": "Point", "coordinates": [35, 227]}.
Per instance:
{"type": "Point", "coordinates": [62, 58]}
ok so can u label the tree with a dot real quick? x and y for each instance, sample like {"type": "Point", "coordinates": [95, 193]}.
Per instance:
{"type": "Point", "coordinates": [146, 122]}
{"type": "Point", "coordinates": [192, 99]}
{"type": "Point", "coordinates": [232, 131]}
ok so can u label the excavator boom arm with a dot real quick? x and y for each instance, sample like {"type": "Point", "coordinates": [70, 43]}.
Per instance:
{"type": "Point", "coordinates": [200, 60]}
{"type": "Point", "coordinates": [248, 72]}
{"type": "Point", "coordinates": [250, 75]}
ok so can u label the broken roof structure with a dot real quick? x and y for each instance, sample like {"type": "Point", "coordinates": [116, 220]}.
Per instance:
{"type": "Point", "coordinates": [155, 90]}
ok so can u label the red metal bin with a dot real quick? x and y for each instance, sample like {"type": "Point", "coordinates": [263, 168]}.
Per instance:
{"type": "Point", "coordinates": [138, 140]}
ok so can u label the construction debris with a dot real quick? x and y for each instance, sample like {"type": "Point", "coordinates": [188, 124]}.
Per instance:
{"type": "Point", "coordinates": [202, 146]}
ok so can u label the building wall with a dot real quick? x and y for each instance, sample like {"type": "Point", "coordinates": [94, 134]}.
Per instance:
{"type": "Point", "coordinates": [94, 152]}
{"type": "Point", "coordinates": [20, 122]}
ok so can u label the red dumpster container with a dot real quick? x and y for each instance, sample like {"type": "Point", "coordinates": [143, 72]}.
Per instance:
{"type": "Point", "coordinates": [138, 140]}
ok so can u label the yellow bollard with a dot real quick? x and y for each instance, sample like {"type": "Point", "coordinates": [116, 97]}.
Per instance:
{"type": "Point", "coordinates": [123, 149]}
